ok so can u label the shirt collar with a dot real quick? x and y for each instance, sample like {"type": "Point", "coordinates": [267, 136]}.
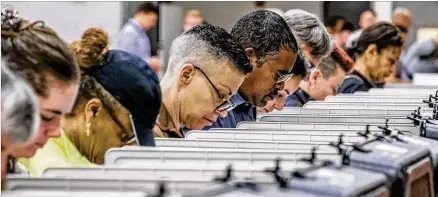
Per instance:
{"type": "Point", "coordinates": [369, 84]}
{"type": "Point", "coordinates": [238, 99]}
{"type": "Point", "coordinates": [303, 96]}
{"type": "Point", "coordinates": [135, 24]}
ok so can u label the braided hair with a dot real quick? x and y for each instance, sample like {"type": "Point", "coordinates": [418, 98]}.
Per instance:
{"type": "Point", "coordinates": [342, 58]}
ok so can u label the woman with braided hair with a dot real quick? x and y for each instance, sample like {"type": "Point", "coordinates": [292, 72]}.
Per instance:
{"type": "Point", "coordinates": [377, 51]}
{"type": "Point", "coordinates": [117, 105]}
{"type": "Point", "coordinates": [35, 52]}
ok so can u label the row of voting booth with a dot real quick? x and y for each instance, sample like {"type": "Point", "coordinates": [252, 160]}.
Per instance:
{"type": "Point", "coordinates": [381, 143]}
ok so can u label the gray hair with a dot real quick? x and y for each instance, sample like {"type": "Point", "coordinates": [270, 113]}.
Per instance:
{"type": "Point", "coordinates": [189, 49]}
{"type": "Point", "coordinates": [328, 67]}
{"type": "Point", "coordinates": [206, 43]}
{"type": "Point", "coordinates": [19, 108]}
{"type": "Point", "coordinates": [276, 10]}
{"type": "Point", "coordinates": [307, 28]}
{"type": "Point", "coordinates": [401, 11]}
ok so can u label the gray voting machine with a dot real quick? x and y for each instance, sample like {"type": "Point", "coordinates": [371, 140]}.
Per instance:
{"type": "Point", "coordinates": [381, 143]}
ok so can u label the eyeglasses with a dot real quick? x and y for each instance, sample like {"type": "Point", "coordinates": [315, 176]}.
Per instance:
{"type": "Point", "coordinates": [127, 139]}
{"type": "Point", "coordinates": [226, 105]}
{"type": "Point", "coordinates": [281, 77]}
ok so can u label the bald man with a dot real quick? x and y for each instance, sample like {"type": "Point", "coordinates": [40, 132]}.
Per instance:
{"type": "Point", "coordinates": [367, 18]}
{"type": "Point", "coordinates": [402, 18]}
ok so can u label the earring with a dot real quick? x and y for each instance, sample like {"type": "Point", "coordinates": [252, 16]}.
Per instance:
{"type": "Point", "coordinates": [88, 129]}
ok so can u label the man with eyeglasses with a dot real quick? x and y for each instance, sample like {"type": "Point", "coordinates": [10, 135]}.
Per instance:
{"type": "Point", "coordinates": [315, 43]}
{"type": "Point", "coordinates": [300, 71]}
{"type": "Point", "coordinates": [206, 68]}
{"type": "Point", "coordinates": [272, 50]}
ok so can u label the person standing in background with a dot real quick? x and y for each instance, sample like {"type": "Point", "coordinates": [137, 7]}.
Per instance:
{"type": "Point", "coordinates": [334, 24]}
{"type": "Point", "coordinates": [367, 19]}
{"type": "Point", "coordinates": [341, 38]}
{"type": "Point", "coordinates": [133, 37]}
{"type": "Point", "coordinates": [192, 18]}
{"type": "Point", "coordinates": [420, 57]}
{"type": "Point", "coordinates": [401, 18]}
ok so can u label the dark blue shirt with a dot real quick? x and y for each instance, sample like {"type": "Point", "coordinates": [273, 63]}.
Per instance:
{"type": "Point", "coordinates": [354, 82]}
{"type": "Point", "coordinates": [244, 111]}
{"type": "Point", "coordinates": [297, 99]}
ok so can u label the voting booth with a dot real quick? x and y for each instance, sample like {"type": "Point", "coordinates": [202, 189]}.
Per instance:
{"type": "Point", "coordinates": [381, 143]}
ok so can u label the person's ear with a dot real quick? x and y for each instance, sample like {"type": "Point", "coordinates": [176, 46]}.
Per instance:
{"type": "Point", "coordinates": [251, 56]}
{"type": "Point", "coordinates": [186, 74]}
{"type": "Point", "coordinates": [371, 52]}
{"type": "Point", "coordinates": [92, 109]}
{"type": "Point", "coordinates": [314, 77]}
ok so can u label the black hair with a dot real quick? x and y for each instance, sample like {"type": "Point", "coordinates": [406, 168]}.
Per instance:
{"type": "Point", "coordinates": [266, 32]}
{"type": "Point", "coordinates": [348, 26]}
{"type": "Point", "coordinates": [301, 66]}
{"type": "Point", "coordinates": [333, 20]}
{"type": "Point", "coordinates": [382, 34]}
{"type": "Point", "coordinates": [223, 44]}
{"type": "Point", "coordinates": [148, 7]}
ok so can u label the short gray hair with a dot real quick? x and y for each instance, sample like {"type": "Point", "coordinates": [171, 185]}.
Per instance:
{"type": "Point", "coordinates": [189, 49]}
{"type": "Point", "coordinates": [205, 43]}
{"type": "Point", "coordinates": [328, 67]}
{"type": "Point", "coordinates": [401, 11]}
{"type": "Point", "coordinates": [307, 28]}
{"type": "Point", "coordinates": [20, 117]}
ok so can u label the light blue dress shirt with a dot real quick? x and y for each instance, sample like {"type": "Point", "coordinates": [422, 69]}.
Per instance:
{"type": "Point", "coordinates": [134, 39]}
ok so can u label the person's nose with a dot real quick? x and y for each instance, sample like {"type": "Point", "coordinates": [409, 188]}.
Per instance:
{"type": "Point", "coordinates": [54, 129]}
{"type": "Point", "coordinates": [280, 85]}
{"type": "Point", "coordinates": [279, 103]}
